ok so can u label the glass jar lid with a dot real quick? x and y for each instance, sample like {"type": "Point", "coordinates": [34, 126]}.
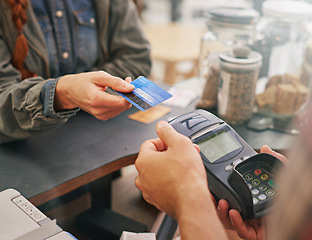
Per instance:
{"type": "Point", "coordinates": [292, 10]}
{"type": "Point", "coordinates": [234, 15]}
{"type": "Point", "coordinates": [252, 60]}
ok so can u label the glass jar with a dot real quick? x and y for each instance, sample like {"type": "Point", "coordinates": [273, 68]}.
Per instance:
{"type": "Point", "coordinates": [238, 78]}
{"type": "Point", "coordinates": [283, 89]}
{"type": "Point", "coordinates": [226, 27]}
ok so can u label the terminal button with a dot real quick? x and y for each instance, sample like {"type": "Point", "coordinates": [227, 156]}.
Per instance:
{"type": "Point", "coordinates": [263, 188]}
{"type": "Point", "coordinates": [264, 177]}
{"type": "Point", "coordinates": [270, 193]}
{"type": "Point", "coordinates": [272, 183]}
{"type": "Point", "coordinates": [228, 168]}
{"type": "Point", "coordinates": [255, 192]}
{"type": "Point", "coordinates": [248, 177]}
{"type": "Point", "coordinates": [262, 197]}
{"type": "Point", "coordinates": [255, 182]}
{"type": "Point", "coordinates": [238, 161]}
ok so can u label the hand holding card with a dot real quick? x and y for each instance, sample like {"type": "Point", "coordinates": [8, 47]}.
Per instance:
{"type": "Point", "coordinates": [146, 94]}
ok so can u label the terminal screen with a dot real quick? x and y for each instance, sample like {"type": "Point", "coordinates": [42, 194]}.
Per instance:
{"type": "Point", "coordinates": [217, 145]}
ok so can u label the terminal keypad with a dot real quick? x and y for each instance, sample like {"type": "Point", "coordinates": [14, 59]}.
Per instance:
{"type": "Point", "coordinates": [261, 185]}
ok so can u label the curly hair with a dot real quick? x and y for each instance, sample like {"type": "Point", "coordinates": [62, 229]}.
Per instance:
{"type": "Point", "coordinates": [19, 18]}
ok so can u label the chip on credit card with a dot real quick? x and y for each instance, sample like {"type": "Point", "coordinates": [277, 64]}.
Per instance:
{"type": "Point", "coordinates": [146, 94]}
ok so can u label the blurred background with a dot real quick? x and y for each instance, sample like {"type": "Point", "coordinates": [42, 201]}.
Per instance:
{"type": "Point", "coordinates": [175, 28]}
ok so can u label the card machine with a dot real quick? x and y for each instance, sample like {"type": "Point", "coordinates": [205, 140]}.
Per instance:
{"type": "Point", "coordinates": [21, 220]}
{"type": "Point", "coordinates": [235, 171]}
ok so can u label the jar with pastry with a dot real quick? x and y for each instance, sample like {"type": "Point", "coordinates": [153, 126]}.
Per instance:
{"type": "Point", "coordinates": [283, 90]}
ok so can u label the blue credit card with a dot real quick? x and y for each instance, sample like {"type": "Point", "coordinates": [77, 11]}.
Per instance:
{"type": "Point", "coordinates": [146, 94]}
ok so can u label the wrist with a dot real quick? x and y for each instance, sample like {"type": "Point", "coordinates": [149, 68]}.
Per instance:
{"type": "Point", "coordinates": [62, 95]}
{"type": "Point", "coordinates": [191, 204]}
{"type": "Point", "coordinates": [198, 218]}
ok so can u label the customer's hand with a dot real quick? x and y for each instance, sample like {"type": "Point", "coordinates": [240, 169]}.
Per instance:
{"type": "Point", "coordinates": [232, 220]}
{"type": "Point", "coordinates": [87, 91]}
{"type": "Point", "coordinates": [171, 171]}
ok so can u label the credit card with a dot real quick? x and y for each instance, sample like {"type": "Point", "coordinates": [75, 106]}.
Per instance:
{"type": "Point", "coordinates": [146, 94]}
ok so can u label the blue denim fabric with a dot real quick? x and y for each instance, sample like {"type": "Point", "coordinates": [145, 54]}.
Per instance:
{"type": "Point", "coordinates": [47, 97]}
{"type": "Point", "coordinates": [69, 28]}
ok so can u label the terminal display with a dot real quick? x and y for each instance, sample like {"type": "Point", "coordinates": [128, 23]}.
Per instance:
{"type": "Point", "coordinates": [218, 145]}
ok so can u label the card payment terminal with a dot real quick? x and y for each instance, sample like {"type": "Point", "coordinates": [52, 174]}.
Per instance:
{"type": "Point", "coordinates": [235, 171]}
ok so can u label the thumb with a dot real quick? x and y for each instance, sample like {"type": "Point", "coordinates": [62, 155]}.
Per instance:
{"type": "Point", "coordinates": [115, 83]}
{"type": "Point", "coordinates": [166, 133]}
{"type": "Point", "coordinates": [267, 149]}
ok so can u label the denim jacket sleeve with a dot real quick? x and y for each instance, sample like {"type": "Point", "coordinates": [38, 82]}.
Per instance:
{"type": "Point", "coordinates": [21, 109]}
{"type": "Point", "coordinates": [126, 49]}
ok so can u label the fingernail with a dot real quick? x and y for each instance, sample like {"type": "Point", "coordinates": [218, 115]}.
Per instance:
{"type": "Point", "coordinates": [161, 124]}
{"type": "Point", "coordinates": [128, 85]}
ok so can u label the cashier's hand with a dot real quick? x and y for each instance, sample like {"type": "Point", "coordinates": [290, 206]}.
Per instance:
{"type": "Point", "coordinates": [170, 168]}
{"type": "Point", "coordinates": [232, 220]}
{"type": "Point", "coordinates": [87, 91]}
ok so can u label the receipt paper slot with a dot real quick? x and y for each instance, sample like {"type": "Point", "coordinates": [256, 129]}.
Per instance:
{"type": "Point", "coordinates": [235, 171]}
